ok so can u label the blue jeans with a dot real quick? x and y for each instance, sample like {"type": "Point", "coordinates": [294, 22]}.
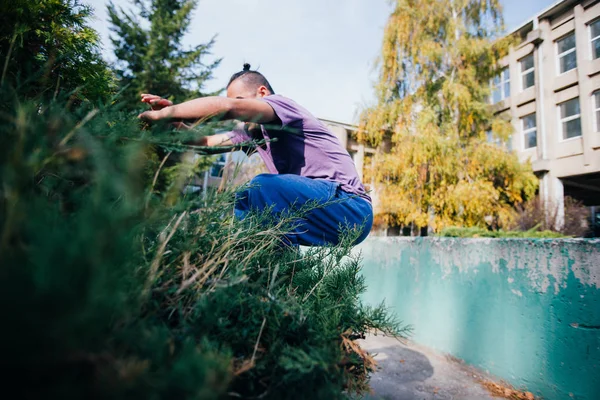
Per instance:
{"type": "Point", "coordinates": [320, 226]}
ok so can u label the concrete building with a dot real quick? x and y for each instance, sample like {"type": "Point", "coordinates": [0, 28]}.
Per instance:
{"type": "Point", "coordinates": [346, 133]}
{"type": "Point", "coordinates": [551, 89]}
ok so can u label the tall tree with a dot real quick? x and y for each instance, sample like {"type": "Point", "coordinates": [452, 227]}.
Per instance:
{"type": "Point", "coordinates": [47, 49]}
{"type": "Point", "coordinates": [433, 113]}
{"type": "Point", "coordinates": [151, 55]}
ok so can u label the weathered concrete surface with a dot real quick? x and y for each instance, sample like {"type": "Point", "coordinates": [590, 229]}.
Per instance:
{"type": "Point", "coordinates": [527, 311]}
{"type": "Point", "coordinates": [412, 372]}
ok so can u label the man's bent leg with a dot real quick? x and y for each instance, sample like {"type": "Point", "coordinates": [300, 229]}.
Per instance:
{"type": "Point", "coordinates": [321, 225]}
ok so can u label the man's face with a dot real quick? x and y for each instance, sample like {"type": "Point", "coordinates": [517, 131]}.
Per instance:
{"type": "Point", "coordinates": [239, 90]}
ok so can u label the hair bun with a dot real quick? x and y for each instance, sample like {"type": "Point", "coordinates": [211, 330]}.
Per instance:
{"type": "Point", "coordinates": [246, 67]}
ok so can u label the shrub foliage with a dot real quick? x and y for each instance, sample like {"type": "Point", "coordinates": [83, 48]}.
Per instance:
{"type": "Point", "coordinates": [121, 290]}
{"type": "Point", "coordinates": [117, 285]}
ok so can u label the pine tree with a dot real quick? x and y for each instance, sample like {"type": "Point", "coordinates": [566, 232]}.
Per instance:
{"type": "Point", "coordinates": [151, 55]}
{"type": "Point", "coordinates": [433, 113]}
{"type": "Point", "coordinates": [47, 50]}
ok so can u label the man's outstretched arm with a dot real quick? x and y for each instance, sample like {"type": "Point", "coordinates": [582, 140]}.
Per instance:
{"type": "Point", "coordinates": [246, 110]}
{"type": "Point", "coordinates": [220, 139]}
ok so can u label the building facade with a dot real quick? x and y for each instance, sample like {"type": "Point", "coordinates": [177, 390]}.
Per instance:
{"type": "Point", "coordinates": [550, 88]}
{"type": "Point", "coordinates": [346, 133]}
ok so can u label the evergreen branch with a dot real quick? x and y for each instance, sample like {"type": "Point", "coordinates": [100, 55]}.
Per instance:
{"type": "Point", "coordinates": [262, 326]}
{"type": "Point", "coordinates": [79, 125]}
{"type": "Point", "coordinates": [161, 249]}
{"type": "Point", "coordinates": [10, 49]}
{"type": "Point", "coordinates": [156, 174]}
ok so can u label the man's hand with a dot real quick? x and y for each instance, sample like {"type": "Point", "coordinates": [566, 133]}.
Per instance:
{"type": "Point", "coordinates": [153, 115]}
{"type": "Point", "coordinates": [156, 102]}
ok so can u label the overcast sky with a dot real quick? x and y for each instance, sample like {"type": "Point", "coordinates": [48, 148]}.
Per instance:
{"type": "Point", "coordinates": [320, 53]}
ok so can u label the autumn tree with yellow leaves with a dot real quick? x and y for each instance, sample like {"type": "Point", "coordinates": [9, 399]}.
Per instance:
{"type": "Point", "coordinates": [435, 168]}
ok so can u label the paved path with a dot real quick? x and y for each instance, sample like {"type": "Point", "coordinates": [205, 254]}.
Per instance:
{"type": "Point", "coordinates": [412, 372]}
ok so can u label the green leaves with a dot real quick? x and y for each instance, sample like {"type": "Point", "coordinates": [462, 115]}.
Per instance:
{"type": "Point", "coordinates": [47, 50]}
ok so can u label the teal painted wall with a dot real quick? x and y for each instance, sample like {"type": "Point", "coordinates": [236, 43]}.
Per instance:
{"type": "Point", "coordinates": [526, 310]}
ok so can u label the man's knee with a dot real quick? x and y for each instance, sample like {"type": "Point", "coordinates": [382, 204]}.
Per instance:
{"type": "Point", "coordinates": [265, 187]}
{"type": "Point", "coordinates": [263, 181]}
{"type": "Point", "coordinates": [260, 190]}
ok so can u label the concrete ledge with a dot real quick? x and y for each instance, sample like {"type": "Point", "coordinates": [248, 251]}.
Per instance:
{"type": "Point", "coordinates": [527, 311]}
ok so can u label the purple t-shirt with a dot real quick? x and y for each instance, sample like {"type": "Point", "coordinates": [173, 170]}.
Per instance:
{"type": "Point", "coordinates": [304, 147]}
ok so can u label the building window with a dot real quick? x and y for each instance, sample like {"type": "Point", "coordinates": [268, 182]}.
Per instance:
{"type": "Point", "coordinates": [501, 86]}
{"type": "Point", "coordinates": [529, 129]}
{"type": "Point", "coordinates": [595, 35]}
{"type": "Point", "coordinates": [216, 169]}
{"type": "Point", "coordinates": [570, 119]}
{"type": "Point", "coordinates": [527, 72]}
{"type": "Point", "coordinates": [597, 110]}
{"type": "Point", "coordinates": [567, 56]}
{"type": "Point", "coordinates": [498, 142]}
{"type": "Point", "coordinates": [492, 139]}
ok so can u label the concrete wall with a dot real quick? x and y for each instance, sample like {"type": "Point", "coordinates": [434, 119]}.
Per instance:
{"type": "Point", "coordinates": [527, 311]}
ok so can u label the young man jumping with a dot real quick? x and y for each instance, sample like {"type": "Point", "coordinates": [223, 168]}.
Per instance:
{"type": "Point", "coordinates": [307, 163]}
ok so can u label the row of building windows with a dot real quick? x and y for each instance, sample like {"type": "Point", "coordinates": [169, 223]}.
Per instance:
{"type": "Point", "coordinates": [569, 121]}
{"type": "Point", "coordinates": [566, 58]}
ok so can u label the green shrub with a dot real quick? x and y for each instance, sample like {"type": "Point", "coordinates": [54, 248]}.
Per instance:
{"type": "Point", "coordinates": [475, 232]}
{"type": "Point", "coordinates": [115, 287]}
{"type": "Point", "coordinates": [114, 283]}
